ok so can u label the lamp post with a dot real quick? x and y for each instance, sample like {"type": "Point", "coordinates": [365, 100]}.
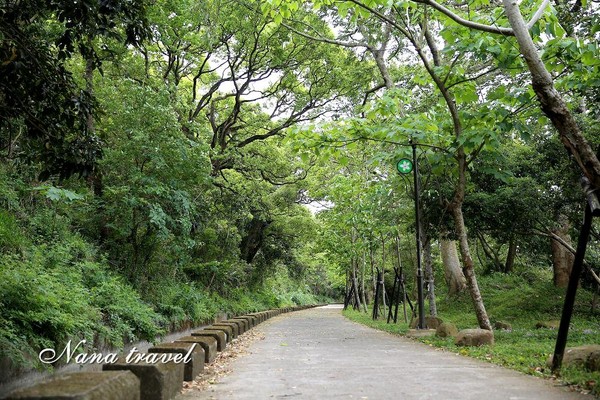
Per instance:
{"type": "Point", "coordinates": [405, 166]}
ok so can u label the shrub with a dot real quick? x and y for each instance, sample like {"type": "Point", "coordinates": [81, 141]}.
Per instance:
{"type": "Point", "coordinates": [44, 308]}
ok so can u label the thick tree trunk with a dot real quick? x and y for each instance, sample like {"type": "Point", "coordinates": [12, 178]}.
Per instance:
{"type": "Point", "coordinates": [469, 269]}
{"type": "Point", "coordinates": [551, 102]}
{"type": "Point", "coordinates": [562, 258]}
{"type": "Point", "coordinates": [253, 240]}
{"type": "Point", "coordinates": [455, 279]}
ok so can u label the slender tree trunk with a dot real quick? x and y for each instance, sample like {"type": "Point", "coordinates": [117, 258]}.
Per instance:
{"type": "Point", "coordinates": [362, 282]}
{"type": "Point", "coordinates": [455, 279]}
{"type": "Point", "coordinates": [455, 205]}
{"type": "Point", "coordinates": [347, 290]}
{"type": "Point", "coordinates": [373, 276]}
{"type": "Point", "coordinates": [469, 269]}
{"type": "Point", "coordinates": [94, 179]}
{"type": "Point", "coordinates": [490, 253]}
{"type": "Point", "coordinates": [355, 283]}
{"type": "Point", "coordinates": [89, 87]}
{"type": "Point", "coordinates": [383, 272]}
{"type": "Point", "coordinates": [511, 256]}
{"type": "Point", "coordinates": [429, 277]}
{"type": "Point", "coordinates": [562, 259]}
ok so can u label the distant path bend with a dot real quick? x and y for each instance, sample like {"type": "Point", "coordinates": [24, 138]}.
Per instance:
{"type": "Point", "coordinates": [319, 354]}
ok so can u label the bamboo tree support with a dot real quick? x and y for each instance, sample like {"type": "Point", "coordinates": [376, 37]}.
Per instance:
{"type": "Point", "coordinates": [592, 210]}
{"type": "Point", "coordinates": [352, 296]}
{"type": "Point", "coordinates": [394, 300]}
{"type": "Point", "coordinates": [401, 275]}
{"type": "Point", "coordinates": [348, 297]}
{"type": "Point", "coordinates": [379, 293]}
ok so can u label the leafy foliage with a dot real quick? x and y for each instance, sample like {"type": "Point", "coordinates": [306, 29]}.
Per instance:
{"type": "Point", "coordinates": [202, 144]}
{"type": "Point", "coordinates": [40, 99]}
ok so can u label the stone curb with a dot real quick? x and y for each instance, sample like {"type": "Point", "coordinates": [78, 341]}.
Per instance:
{"type": "Point", "coordinates": [232, 325]}
{"type": "Point", "coordinates": [193, 367]}
{"type": "Point", "coordinates": [159, 381]}
{"type": "Point", "coordinates": [227, 330]}
{"type": "Point", "coordinates": [114, 385]}
{"type": "Point", "coordinates": [220, 337]}
{"type": "Point", "coordinates": [150, 381]}
{"type": "Point", "coordinates": [208, 343]}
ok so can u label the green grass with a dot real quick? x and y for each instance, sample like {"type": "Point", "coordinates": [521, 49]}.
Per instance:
{"type": "Point", "coordinates": [521, 303]}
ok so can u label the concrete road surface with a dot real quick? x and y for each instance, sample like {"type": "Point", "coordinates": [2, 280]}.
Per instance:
{"type": "Point", "coordinates": [318, 354]}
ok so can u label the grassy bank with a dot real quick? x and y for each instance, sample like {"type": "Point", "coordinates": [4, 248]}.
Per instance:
{"type": "Point", "coordinates": [522, 303]}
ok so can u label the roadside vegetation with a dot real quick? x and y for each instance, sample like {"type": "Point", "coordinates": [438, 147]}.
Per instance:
{"type": "Point", "coordinates": [522, 303]}
{"type": "Point", "coordinates": [162, 162]}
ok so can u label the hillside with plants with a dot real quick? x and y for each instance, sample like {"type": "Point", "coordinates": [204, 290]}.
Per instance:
{"type": "Point", "coordinates": [165, 162]}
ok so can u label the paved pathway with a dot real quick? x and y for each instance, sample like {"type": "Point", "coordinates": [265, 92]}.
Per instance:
{"type": "Point", "coordinates": [318, 354]}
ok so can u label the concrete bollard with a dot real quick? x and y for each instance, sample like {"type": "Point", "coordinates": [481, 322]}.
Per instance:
{"type": "Point", "coordinates": [234, 327]}
{"type": "Point", "coordinates": [113, 385]}
{"type": "Point", "coordinates": [240, 324]}
{"type": "Point", "coordinates": [227, 330]}
{"type": "Point", "coordinates": [262, 316]}
{"type": "Point", "coordinates": [245, 323]}
{"type": "Point", "coordinates": [252, 320]}
{"type": "Point", "coordinates": [193, 366]}
{"type": "Point", "coordinates": [209, 344]}
{"type": "Point", "coordinates": [158, 381]}
{"type": "Point", "coordinates": [259, 315]}
{"type": "Point", "coordinates": [218, 335]}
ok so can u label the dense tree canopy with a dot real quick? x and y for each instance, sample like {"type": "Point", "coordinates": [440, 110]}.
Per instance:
{"type": "Point", "coordinates": [195, 157]}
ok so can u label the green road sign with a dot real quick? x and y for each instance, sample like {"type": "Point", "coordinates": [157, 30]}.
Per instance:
{"type": "Point", "coordinates": [404, 166]}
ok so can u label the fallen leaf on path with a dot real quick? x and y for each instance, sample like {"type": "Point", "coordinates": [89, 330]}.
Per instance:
{"type": "Point", "coordinates": [220, 367]}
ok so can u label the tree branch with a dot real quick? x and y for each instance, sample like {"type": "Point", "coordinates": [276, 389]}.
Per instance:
{"type": "Point", "coordinates": [538, 14]}
{"type": "Point", "coordinates": [324, 39]}
{"type": "Point", "coordinates": [465, 22]}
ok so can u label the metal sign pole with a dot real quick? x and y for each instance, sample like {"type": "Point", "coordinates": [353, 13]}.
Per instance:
{"type": "Point", "coordinates": [418, 237]}
{"type": "Point", "coordinates": [405, 166]}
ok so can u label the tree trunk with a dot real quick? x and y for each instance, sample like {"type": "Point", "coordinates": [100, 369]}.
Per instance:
{"type": "Point", "coordinates": [362, 282]}
{"type": "Point", "coordinates": [455, 206]}
{"type": "Point", "coordinates": [383, 297]}
{"type": "Point", "coordinates": [510, 257]}
{"type": "Point", "coordinates": [373, 276]}
{"type": "Point", "coordinates": [490, 253]}
{"type": "Point", "coordinates": [429, 277]}
{"type": "Point", "coordinates": [253, 240]}
{"type": "Point", "coordinates": [551, 102]}
{"type": "Point", "coordinates": [469, 269]}
{"type": "Point", "coordinates": [455, 279]}
{"type": "Point", "coordinates": [562, 258]}
{"type": "Point", "coordinates": [355, 284]}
